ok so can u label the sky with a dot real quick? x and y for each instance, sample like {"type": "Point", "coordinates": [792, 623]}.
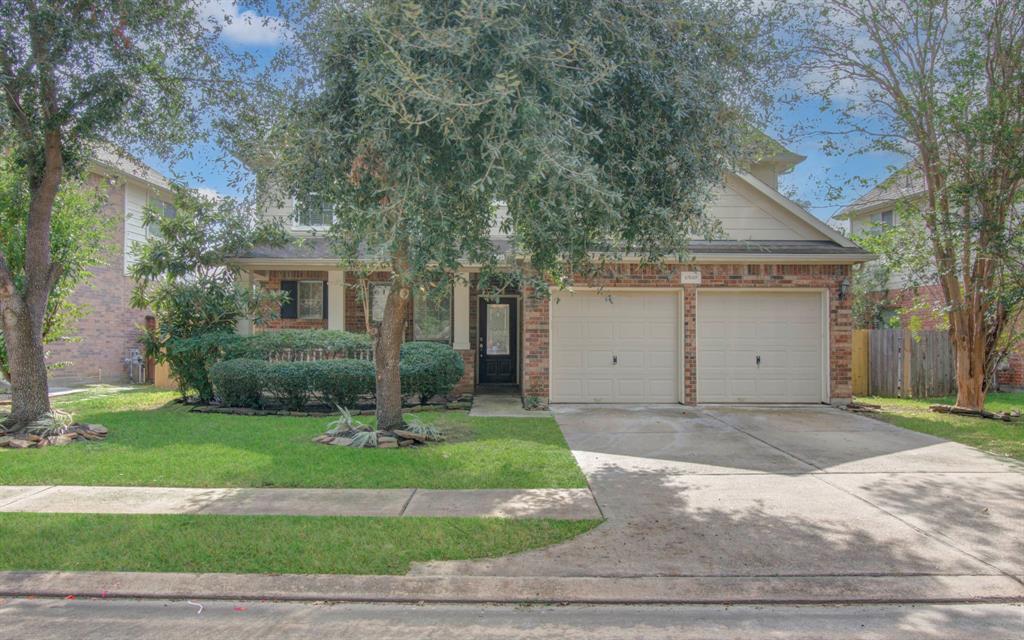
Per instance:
{"type": "Point", "coordinates": [247, 31]}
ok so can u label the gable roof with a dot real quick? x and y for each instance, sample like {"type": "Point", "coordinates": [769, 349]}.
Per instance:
{"type": "Point", "coordinates": [108, 158]}
{"type": "Point", "coordinates": [790, 208]}
{"type": "Point", "coordinates": [900, 185]}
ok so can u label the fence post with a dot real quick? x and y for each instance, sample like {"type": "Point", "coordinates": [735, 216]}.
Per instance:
{"type": "Point", "coordinates": [860, 376]}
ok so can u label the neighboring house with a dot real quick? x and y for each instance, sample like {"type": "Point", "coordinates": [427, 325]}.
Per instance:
{"type": "Point", "coordinates": [108, 334]}
{"type": "Point", "coordinates": [762, 316]}
{"type": "Point", "coordinates": [923, 301]}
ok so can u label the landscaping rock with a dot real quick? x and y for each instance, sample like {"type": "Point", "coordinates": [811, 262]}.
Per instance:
{"type": "Point", "coordinates": [98, 429]}
{"type": "Point", "coordinates": [5, 441]}
{"type": "Point", "coordinates": [19, 444]}
{"type": "Point", "coordinates": [341, 442]}
{"type": "Point", "coordinates": [409, 435]}
{"type": "Point", "coordinates": [387, 443]}
{"type": "Point", "coordinates": [406, 443]}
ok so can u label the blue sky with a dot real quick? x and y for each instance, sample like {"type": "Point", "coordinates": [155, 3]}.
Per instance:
{"type": "Point", "coordinates": [808, 183]}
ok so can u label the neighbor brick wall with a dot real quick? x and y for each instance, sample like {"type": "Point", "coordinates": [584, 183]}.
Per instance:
{"type": "Point", "coordinates": [110, 327]}
{"type": "Point", "coordinates": [536, 329]}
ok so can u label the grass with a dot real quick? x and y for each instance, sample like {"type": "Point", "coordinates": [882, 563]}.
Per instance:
{"type": "Point", "coordinates": [155, 443]}
{"type": "Point", "coordinates": [262, 544]}
{"type": "Point", "coordinates": [995, 436]}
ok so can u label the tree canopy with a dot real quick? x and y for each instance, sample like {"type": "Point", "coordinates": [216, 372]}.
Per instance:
{"type": "Point", "coordinates": [602, 125]}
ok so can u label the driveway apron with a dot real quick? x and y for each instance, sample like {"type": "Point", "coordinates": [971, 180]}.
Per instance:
{"type": "Point", "coordinates": [723, 491]}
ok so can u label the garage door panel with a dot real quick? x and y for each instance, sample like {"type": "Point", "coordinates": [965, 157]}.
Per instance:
{"type": "Point", "coordinates": [639, 328]}
{"type": "Point", "coordinates": [784, 328]}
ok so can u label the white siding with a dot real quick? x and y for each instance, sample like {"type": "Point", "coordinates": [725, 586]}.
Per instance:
{"type": "Point", "coordinates": [135, 200]}
{"type": "Point", "coordinates": [747, 215]}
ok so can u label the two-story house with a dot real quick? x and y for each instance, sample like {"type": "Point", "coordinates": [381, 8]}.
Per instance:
{"type": "Point", "coordinates": [107, 337]}
{"type": "Point", "coordinates": [761, 315]}
{"type": "Point", "coordinates": [922, 300]}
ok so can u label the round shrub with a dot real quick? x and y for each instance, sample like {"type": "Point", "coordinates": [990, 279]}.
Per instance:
{"type": "Point", "coordinates": [429, 369]}
{"type": "Point", "coordinates": [240, 382]}
{"type": "Point", "coordinates": [292, 382]}
{"type": "Point", "coordinates": [341, 382]}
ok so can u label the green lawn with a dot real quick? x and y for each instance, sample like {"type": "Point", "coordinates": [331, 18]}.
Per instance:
{"type": "Point", "coordinates": [154, 443]}
{"type": "Point", "coordinates": [996, 436]}
{"type": "Point", "coordinates": [262, 544]}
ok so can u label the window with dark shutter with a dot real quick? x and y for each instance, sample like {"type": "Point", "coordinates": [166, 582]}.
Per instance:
{"type": "Point", "coordinates": [290, 307]}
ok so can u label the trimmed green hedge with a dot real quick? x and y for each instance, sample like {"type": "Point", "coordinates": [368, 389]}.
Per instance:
{"type": "Point", "coordinates": [239, 383]}
{"type": "Point", "coordinates": [341, 382]}
{"type": "Point", "coordinates": [427, 369]}
{"type": "Point", "coordinates": [269, 343]}
{"type": "Point", "coordinates": [292, 382]}
{"type": "Point", "coordinates": [430, 369]}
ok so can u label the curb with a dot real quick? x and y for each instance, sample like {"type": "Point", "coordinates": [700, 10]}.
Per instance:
{"type": "Point", "coordinates": [515, 590]}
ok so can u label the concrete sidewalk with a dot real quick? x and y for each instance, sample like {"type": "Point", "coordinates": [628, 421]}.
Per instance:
{"type": "Point", "coordinates": [561, 504]}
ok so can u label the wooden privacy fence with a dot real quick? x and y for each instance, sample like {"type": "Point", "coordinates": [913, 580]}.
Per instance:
{"type": "Point", "coordinates": [898, 363]}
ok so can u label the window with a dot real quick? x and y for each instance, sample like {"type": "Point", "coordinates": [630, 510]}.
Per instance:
{"type": "Point", "coordinates": [498, 337]}
{"type": "Point", "coordinates": [882, 218]}
{"type": "Point", "coordinates": [378, 297]}
{"type": "Point", "coordinates": [432, 316]}
{"type": "Point", "coordinates": [311, 300]}
{"type": "Point", "coordinates": [166, 209]}
{"type": "Point", "coordinates": [313, 214]}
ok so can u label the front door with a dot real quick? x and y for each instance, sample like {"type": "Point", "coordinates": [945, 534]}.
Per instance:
{"type": "Point", "coordinates": [498, 341]}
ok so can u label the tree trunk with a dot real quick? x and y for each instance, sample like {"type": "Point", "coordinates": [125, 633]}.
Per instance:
{"type": "Point", "coordinates": [387, 349]}
{"type": "Point", "coordinates": [970, 369]}
{"type": "Point", "coordinates": [27, 361]}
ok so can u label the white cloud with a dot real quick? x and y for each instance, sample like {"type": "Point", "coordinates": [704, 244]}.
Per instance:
{"type": "Point", "coordinates": [210, 194]}
{"type": "Point", "coordinates": [242, 26]}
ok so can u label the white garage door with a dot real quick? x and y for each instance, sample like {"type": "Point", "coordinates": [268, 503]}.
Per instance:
{"type": "Point", "coordinates": [760, 346]}
{"type": "Point", "coordinates": [615, 347]}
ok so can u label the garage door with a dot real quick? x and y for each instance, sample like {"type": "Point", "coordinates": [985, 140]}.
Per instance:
{"type": "Point", "coordinates": [615, 347]}
{"type": "Point", "coordinates": [759, 346]}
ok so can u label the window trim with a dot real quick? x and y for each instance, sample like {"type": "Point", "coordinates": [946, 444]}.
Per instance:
{"type": "Point", "coordinates": [297, 225]}
{"type": "Point", "coordinates": [298, 300]}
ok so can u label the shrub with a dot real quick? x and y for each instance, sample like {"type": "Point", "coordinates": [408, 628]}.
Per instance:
{"type": "Point", "coordinates": [190, 359]}
{"type": "Point", "coordinates": [263, 346]}
{"type": "Point", "coordinates": [341, 382]}
{"type": "Point", "coordinates": [429, 369]}
{"type": "Point", "coordinates": [292, 382]}
{"type": "Point", "coordinates": [240, 382]}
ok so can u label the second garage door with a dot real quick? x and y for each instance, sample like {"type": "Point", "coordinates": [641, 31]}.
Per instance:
{"type": "Point", "coordinates": [615, 347]}
{"type": "Point", "coordinates": [760, 346]}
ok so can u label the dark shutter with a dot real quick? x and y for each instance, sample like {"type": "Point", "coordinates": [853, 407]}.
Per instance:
{"type": "Point", "coordinates": [325, 300]}
{"type": "Point", "coordinates": [290, 307]}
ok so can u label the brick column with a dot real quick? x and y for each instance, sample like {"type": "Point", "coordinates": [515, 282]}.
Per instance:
{"type": "Point", "coordinates": [535, 346]}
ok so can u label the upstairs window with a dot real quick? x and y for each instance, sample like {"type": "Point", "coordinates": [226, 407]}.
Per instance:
{"type": "Point", "coordinates": [883, 218]}
{"type": "Point", "coordinates": [313, 215]}
{"type": "Point", "coordinates": [166, 209]}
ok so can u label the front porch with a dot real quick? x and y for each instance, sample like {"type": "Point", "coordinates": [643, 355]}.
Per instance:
{"type": "Point", "coordinates": [486, 332]}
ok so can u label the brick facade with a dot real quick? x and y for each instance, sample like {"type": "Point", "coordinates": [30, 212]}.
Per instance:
{"type": "Point", "coordinates": [536, 329]}
{"type": "Point", "coordinates": [110, 326]}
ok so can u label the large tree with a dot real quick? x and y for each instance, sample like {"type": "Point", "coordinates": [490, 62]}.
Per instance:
{"type": "Point", "coordinates": [943, 82]}
{"type": "Point", "coordinates": [602, 124]}
{"type": "Point", "coordinates": [74, 75]}
{"type": "Point", "coordinates": [79, 230]}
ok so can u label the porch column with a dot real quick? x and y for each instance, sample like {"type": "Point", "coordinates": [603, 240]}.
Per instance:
{"type": "Point", "coordinates": [460, 306]}
{"type": "Point", "coordinates": [243, 326]}
{"type": "Point", "coordinates": [336, 300]}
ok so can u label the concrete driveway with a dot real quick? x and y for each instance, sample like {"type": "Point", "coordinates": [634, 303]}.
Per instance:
{"type": "Point", "coordinates": [802, 494]}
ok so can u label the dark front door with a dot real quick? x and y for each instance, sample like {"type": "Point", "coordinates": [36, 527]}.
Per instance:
{"type": "Point", "coordinates": [498, 340]}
